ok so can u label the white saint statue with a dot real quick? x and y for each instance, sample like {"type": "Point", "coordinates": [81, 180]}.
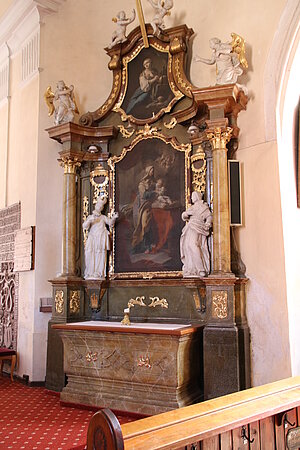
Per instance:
{"type": "Point", "coordinates": [193, 242]}
{"type": "Point", "coordinates": [98, 241]}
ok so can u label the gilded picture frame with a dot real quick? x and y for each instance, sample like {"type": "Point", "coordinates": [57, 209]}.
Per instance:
{"type": "Point", "coordinates": [146, 237]}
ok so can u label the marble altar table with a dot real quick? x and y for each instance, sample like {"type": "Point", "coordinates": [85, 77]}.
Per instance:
{"type": "Point", "coordinates": [145, 368]}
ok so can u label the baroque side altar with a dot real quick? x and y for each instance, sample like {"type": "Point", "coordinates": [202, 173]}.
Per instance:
{"type": "Point", "coordinates": [141, 174]}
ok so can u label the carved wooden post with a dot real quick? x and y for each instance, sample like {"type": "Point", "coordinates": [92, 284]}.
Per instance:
{"type": "Point", "coordinates": [219, 134]}
{"type": "Point", "coordinates": [69, 216]}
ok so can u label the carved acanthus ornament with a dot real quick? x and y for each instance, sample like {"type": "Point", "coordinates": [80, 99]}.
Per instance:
{"type": "Point", "coordinates": [59, 302]}
{"type": "Point", "coordinates": [75, 302]}
{"type": "Point", "coordinates": [198, 164]}
{"type": "Point", "coordinates": [91, 357]}
{"type": "Point", "coordinates": [69, 164]}
{"type": "Point", "coordinates": [219, 304]}
{"type": "Point", "coordinates": [156, 301]}
{"type": "Point", "coordinates": [99, 180]}
{"type": "Point", "coordinates": [85, 213]}
{"type": "Point", "coordinates": [219, 137]}
{"type": "Point", "coordinates": [144, 361]}
{"type": "Point", "coordinates": [137, 301]}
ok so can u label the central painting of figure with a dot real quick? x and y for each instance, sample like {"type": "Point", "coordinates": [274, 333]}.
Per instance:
{"type": "Point", "coordinates": [150, 198]}
{"type": "Point", "coordinates": [148, 90]}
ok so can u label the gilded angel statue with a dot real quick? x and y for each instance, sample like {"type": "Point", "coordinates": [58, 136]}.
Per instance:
{"type": "Point", "coordinates": [229, 58]}
{"type": "Point", "coordinates": [61, 102]}
{"type": "Point", "coordinates": [161, 8]}
{"type": "Point", "coordinates": [119, 35]}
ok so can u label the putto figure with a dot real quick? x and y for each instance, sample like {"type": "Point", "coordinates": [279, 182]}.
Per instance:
{"type": "Point", "coordinates": [193, 242]}
{"type": "Point", "coordinates": [162, 8]}
{"type": "Point", "coordinates": [229, 58]}
{"type": "Point", "coordinates": [119, 35]}
{"type": "Point", "coordinates": [98, 241]}
{"type": "Point", "coordinates": [62, 103]}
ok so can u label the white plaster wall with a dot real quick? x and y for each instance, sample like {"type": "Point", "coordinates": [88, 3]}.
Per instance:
{"type": "Point", "coordinates": [286, 117]}
{"type": "Point", "coordinates": [3, 150]}
{"type": "Point", "coordinates": [21, 186]}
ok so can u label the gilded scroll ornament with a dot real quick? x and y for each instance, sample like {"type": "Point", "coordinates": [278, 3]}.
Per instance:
{"type": "Point", "coordinates": [198, 163]}
{"type": "Point", "coordinates": [147, 131]}
{"type": "Point", "coordinates": [94, 301]}
{"type": "Point", "coordinates": [85, 213]}
{"type": "Point", "coordinates": [69, 164]}
{"type": "Point", "coordinates": [184, 84]}
{"type": "Point", "coordinates": [100, 187]}
{"type": "Point", "coordinates": [219, 304]}
{"type": "Point", "coordinates": [137, 301]}
{"type": "Point", "coordinates": [91, 356]}
{"type": "Point", "coordinates": [156, 301]}
{"type": "Point", "coordinates": [219, 137]}
{"type": "Point", "coordinates": [125, 132]}
{"type": "Point", "coordinates": [59, 302]}
{"type": "Point", "coordinates": [75, 302]}
{"type": "Point", "coordinates": [144, 361]}
{"type": "Point", "coordinates": [172, 124]}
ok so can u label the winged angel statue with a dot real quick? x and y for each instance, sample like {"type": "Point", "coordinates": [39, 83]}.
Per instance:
{"type": "Point", "coordinates": [229, 58]}
{"type": "Point", "coordinates": [61, 102]}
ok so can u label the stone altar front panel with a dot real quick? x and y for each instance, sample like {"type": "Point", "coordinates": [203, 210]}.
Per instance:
{"type": "Point", "coordinates": [141, 368]}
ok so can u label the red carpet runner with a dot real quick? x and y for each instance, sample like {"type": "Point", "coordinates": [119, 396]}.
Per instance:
{"type": "Point", "coordinates": [31, 418]}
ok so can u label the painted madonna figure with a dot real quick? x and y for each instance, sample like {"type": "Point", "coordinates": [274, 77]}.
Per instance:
{"type": "Point", "coordinates": [98, 242]}
{"type": "Point", "coordinates": [193, 242]}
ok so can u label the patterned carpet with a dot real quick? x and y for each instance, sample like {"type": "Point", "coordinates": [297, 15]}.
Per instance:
{"type": "Point", "coordinates": [32, 418]}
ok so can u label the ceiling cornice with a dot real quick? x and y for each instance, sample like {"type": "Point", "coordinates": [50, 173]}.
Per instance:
{"type": "Point", "coordinates": [22, 18]}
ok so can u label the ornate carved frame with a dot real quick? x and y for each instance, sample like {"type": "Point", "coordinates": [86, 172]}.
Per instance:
{"type": "Point", "coordinates": [146, 133]}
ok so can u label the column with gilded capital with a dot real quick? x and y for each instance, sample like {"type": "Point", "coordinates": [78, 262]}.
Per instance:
{"type": "Point", "coordinates": [219, 136]}
{"type": "Point", "coordinates": [70, 165]}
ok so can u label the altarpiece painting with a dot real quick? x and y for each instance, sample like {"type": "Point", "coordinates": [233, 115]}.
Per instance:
{"type": "Point", "coordinates": [149, 227]}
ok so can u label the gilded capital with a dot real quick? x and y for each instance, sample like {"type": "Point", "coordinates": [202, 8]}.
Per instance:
{"type": "Point", "coordinates": [69, 164]}
{"type": "Point", "coordinates": [219, 137]}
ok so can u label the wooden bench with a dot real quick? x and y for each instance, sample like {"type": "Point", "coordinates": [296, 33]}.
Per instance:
{"type": "Point", "coordinates": [262, 418]}
{"type": "Point", "coordinates": [7, 354]}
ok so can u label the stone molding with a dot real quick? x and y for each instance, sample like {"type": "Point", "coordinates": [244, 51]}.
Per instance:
{"type": "Point", "coordinates": [23, 19]}
{"type": "Point", "coordinates": [4, 71]}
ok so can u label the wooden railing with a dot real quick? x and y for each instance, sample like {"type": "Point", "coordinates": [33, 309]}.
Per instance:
{"type": "Point", "coordinates": [264, 417]}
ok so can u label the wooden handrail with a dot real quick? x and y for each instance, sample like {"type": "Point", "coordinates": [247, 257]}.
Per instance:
{"type": "Point", "coordinates": [214, 418]}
